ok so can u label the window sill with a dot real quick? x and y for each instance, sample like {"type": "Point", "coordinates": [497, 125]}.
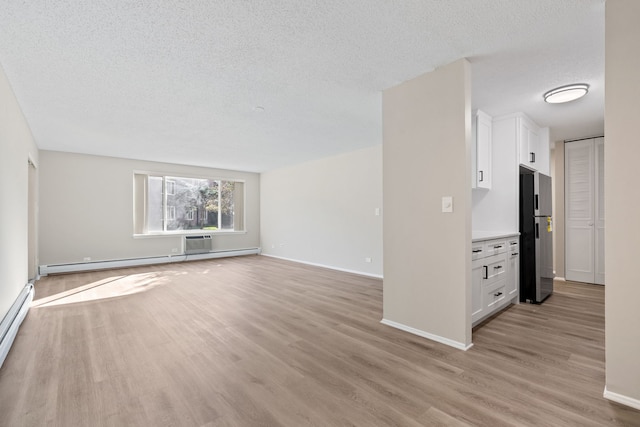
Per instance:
{"type": "Point", "coordinates": [186, 233]}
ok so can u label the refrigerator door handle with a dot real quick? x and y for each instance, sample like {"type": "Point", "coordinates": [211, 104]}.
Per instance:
{"type": "Point", "coordinates": [536, 201]}
{"type": "Point", "coordinates": [537, 230]}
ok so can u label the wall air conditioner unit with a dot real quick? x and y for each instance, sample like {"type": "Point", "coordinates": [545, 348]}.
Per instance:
{"type": "Point", "coordinates": [197, 244]}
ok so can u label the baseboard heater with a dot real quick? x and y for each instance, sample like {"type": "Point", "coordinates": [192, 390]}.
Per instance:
{"type": "Point", "coordinates": [197, 244]}
{"type": "Point", "coordinates": [134, 262]}
{"type": "Point", "coordinates": [13, 320]}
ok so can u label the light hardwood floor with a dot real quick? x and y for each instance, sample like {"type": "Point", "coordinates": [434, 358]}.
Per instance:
{"type": "Point", "coordinates": [258, 341]}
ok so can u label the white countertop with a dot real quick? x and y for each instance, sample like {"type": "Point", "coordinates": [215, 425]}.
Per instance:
{"type": "Point", "coordinates": [487, 235]}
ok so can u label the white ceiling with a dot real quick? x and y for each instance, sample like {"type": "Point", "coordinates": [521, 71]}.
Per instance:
{"type": "Point", "coordinates": [179, 81]}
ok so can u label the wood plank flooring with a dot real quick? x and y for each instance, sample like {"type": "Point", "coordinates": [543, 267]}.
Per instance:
{"type": "Point", "coordinates": [255, 341]}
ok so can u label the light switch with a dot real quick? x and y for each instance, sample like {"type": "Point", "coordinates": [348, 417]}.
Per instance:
{"type": "Point", "coordinates": [376, 211]}
{"type": "Point", "coordinates": [447, 204]}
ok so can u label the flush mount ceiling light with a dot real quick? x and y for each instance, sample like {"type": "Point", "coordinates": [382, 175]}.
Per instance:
{"type": "Point", "coordinates": [566, 93]}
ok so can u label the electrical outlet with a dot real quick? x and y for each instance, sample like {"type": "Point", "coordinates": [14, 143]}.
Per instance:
{"type": "Point", "coordinates": [367, 259]}
{"type": "Point", "coordinates": [376, 211]}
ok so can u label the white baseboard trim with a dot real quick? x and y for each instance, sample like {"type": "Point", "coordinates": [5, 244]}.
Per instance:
{"type": "Point", "coordinates": [360, 273]}
{"type": "Point", "coordinates": [621, 399]}
{"type": "Point", "coordinates": [13, 319]}
{"type": "Point", "coordinates": [560, 279]}
{"type": "Point", "coordinates": [134, 262]}
{"type": "Point", "coordinates": [432, 337]}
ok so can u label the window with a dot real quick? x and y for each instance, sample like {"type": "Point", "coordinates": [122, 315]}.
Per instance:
{"type": "Point", "coordinates": [171, 213]}
{"type": "Point", "coordinates": [171, 187]}
{"type": "Point", "coordinates": [171, 203]}
{"type": "Point", "coordinates": [191, 214]}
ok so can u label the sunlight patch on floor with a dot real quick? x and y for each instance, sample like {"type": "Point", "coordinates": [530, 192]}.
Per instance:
{"type": "Point", "coordinates": [110, 287]}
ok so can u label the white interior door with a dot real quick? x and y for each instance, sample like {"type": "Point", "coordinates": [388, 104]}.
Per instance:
{"type": "Point", "coordinates": [599, 211]}
{"type": "Point", "coordinates": [579, 211]}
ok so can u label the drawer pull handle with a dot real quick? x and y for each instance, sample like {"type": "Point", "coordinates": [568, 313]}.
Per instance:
{"type": "Point", "coordinates": [514, 243]}
{"type": "Point", "coordinates": [475, 251]}
{"type": "Point", "coordinates": [497, 246]}
{"type": "Point", "coordinates": [481, 176]}
{"type": "Point", "coordinates": [514, 254]}
{"type": "Point", "coordinates": [497, 267]}
{"type": "Point", "coordinates": [486, 272]}
{"type": "Point", "coordinates": [497, 294]}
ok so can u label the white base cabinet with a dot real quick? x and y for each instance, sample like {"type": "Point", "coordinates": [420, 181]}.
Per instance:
{"type": "Point", "coordinates": [494, 276]}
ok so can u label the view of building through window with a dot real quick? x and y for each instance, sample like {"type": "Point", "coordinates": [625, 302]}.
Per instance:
{"type": "Point", "coordinates": [177, 203]}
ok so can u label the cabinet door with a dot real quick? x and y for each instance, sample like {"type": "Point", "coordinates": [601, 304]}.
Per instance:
{"type": "Point", "coordinates": [477, 250]}
{"type": "Point", "coordinates": [495, 296]}
{"type": "Point", "coordinates": [513, 278]}
{"type": "Point", "coordinates": [477, 277]}
{"type": "Point", "coordinates": [523, 141]}
{"type": "Point", "coordinates": [483, 150]}
{"type": "Point", "coordinates": [543, 152]}
{"type": "Point", "coordinates": [533, 140]}
{"type": "Point", "coordinates": [528, 143]}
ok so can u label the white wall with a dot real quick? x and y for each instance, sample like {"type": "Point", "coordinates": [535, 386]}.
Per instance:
{"type": "Point", "coordinates": [16, 147]}
{"type": "Point", "coordinates": [323, 212]}
{"type": "Point", "coordinates": [86, 209]}
{"type": "Point", "coordinates": [622, 204]}
{"type": "Point", "coordinates": [427, 253]}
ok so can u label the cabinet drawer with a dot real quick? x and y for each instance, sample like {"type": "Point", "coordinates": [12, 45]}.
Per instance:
{"type": "Point", "coordinates": [494, 296]}
{"type": "Point", "coordinates": [477, 251]}
{"type": "Point", "coordinates": [495, 268]}
{"type": "Point", "coordinates": [495, 247]}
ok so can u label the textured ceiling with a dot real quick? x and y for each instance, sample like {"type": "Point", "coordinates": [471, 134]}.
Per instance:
{"type": "Point", "coordinates": [179, 81]}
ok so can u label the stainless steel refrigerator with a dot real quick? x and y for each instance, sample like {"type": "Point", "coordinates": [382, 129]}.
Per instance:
{"type": "Point", "coordinates": [536, 232]}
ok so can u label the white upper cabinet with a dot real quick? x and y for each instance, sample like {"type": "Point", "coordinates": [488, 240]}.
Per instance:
{"type": "Point", "coordinates": [542, 160]}
{"type": "Point", "coordinates": [528, 142]}
{"type": "Point", "coordinates": [481, 174]}
{"type": "Point", "coordinates": [532, 142]}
